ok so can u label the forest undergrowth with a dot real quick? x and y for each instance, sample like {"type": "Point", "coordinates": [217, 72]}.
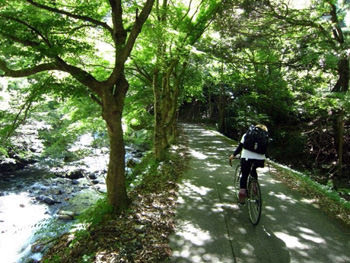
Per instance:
{"type": "Point", "coordinates": [139, 234]}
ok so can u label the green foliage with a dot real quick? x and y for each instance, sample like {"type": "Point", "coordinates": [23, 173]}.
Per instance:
{"type": "Point", "coordinates": [3, 152]}
{"type": "Point", "coordinates": [96, 214]}
{"type": "Point", "coordinates": [53, 259]}
{"type": "Point", "coordinates": [67, 122]}
{"type": "Point", "coordinates": [153, 176]}
{"type": "Point", "coordinates": [146, 168]}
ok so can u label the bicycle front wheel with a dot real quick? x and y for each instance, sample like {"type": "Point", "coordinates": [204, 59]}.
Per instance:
{"type": "Point", "coordinates": [254, 201]}
{"type": "Point", "coordinates": [236, 180]}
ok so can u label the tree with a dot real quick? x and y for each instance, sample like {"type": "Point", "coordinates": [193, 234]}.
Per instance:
{"type": "Point", "coordinates": [175, 29]}
{"type": "Point", "coordinates": [326, 19]}
{"type": "Point", "coordinates": [49, 36]}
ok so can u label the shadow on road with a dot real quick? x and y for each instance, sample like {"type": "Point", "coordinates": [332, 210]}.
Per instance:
{"type": "Point", "coordinates": [211, 227]}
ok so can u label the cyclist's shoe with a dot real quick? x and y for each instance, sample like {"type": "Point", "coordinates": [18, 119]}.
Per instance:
{"type": "Point", "coordinates": [241, 196]}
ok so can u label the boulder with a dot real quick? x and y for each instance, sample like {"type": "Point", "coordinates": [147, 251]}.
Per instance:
{"type": "Point", "coordinates": [47, 200]}
{"type": "Point", "coordinates": [65, 215]}
{"type": "Point", "coordinates": [73, 175]}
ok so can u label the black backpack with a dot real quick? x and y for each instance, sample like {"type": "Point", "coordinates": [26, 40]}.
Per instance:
{"type": "Point", "coordinates": [256, 140]}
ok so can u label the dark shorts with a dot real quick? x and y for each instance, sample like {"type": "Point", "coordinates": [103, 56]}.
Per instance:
{"type": "Point", "coordinates": [249, 166]}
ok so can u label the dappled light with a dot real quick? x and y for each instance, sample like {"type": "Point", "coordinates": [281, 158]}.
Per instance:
{"type": "Point", "coordinates": [212, 227]}
{"type": "Point", "coordinates": [94, 95]}
{"type": "Point", "coordinates": [195, 234]}
{"type": "Point", "coordinates": [194, 190]}
{"type": "Point", "coordinates": [198, 155]}
{"type": "Point", "coordinates": [283, 197]}
{"type": "Point", "coordinates": [291, 241]}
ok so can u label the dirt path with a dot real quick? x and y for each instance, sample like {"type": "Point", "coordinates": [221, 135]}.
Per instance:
{"type": "Point", "coordinates": [211, 227]}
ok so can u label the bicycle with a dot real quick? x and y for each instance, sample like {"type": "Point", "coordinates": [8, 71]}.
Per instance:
{"type": "Point", "coordinates": [253, 198]}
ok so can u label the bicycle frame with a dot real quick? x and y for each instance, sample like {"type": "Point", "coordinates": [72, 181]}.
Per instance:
{"type": "Point", "coordinates": [253, 199]}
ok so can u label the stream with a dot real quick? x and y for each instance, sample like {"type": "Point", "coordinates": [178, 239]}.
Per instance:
{"type": "Point", "coordinates": [39, 195]}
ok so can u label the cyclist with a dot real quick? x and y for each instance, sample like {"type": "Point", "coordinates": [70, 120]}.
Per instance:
{"type": "Point", "coordinates": [250, 159]}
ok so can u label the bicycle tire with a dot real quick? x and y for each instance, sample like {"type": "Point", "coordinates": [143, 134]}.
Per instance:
{"type": "Point", "coordinates": [254, 201]}
{"type": "Point", "coordinates": [237, 179]}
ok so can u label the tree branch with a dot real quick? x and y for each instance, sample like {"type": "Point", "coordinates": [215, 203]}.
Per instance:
{"type": "Point", "coordinates": [79, 17]}
{"type": "Point", "coordinates": [136, 29]}
{"type": "Point", "coordinates": [80, 75]}
{"type": "Point", "coordinates": [37, 32]}
{"type": "Point", "coordinates": [77, 73]}
{"type": "Point", "coordinates": [126, 50]}
{"type": "Point", "coordinates": [26, 72]}
{"type": "Point", "coordinates": [24, 42]}
{"type": "Point", "coordinates": [141, 71]}
{"type": "Point", "coordinates": [119, 33]}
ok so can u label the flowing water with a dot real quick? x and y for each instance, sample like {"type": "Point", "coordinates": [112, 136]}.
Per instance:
{"type": "Point", "coordinates": [35, 196]}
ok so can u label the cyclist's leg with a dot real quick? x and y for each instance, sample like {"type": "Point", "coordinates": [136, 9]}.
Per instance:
{"type": "Point", "coordinates": [256, 164]}
{"type": "Point", "coordinates": [245, 167]}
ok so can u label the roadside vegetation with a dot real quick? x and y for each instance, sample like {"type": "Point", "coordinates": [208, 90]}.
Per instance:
{"type": "Point", "coordinates": [336, 203]}
{"type": "Point", "coordinates": [139, 234]}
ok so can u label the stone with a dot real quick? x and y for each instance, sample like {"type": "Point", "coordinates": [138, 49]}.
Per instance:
{"type": "Point", "coordinates": [75, 182]}
{"type": "Point", "coordinates": [92, 176]}
{"type": "Point", "coordinates": [46, 199]}
{"type": "Point", "coordinates": [65, 215]}
{"type": "Point", "coordinates": [77, 174]}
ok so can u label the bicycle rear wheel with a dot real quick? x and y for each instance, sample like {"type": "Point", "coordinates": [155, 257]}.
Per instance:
{"type": "Point", "coordinates": [254, 201]}
{"type": "Point", "coordinates": [236, 180]}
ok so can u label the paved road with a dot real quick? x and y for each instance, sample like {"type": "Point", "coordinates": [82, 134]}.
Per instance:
{"type": "Point", "coordinates": [211, 227]}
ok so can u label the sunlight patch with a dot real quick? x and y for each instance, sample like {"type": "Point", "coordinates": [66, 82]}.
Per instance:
{"type": "Point", "coordinates": [200, 190]}
{"type": "Point", "coordinates": [263, 170]}
{"type": "Point", "coordinates": [308, 201]}
{"type": "Point", "coordinates": [290, 241]}
{"type": "Point", "coordinates": [270, 208]}
{"type": "Point", "coordinates": [317, 240]}
{"type": "Point", "coordinates": [195, 235]}
{"type": "Point", "coordinates": [248, 250]}
{"type": "Point", "coordinates": [198, 155]}
{"type": "Point", "coordinates": [285, 198]}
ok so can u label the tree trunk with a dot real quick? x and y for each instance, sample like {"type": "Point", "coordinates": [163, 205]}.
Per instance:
{"type": "Point", "coordinates": [339, 140]}
{"type": "Point", "coordinates": [342, 84]}
{"type": "Point", "coordinates": [221, 109]}
{"type": "Point", "coordinates": [165, 109]}
{"type": "Point", "coordinates": [159, 137]}
{"type": "Point", "coordinates": [113, 103]}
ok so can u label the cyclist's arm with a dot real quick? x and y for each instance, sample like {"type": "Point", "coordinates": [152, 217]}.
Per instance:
{"type": "Point", "coordinates": [238, 149]}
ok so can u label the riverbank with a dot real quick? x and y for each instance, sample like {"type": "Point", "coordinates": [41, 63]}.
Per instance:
{"type": "Point", "coordinates": [40, 197]}
{"type": "Point", "coordinates": [40, 201]}
{"type": "Point", "coordinates": [137, 235]}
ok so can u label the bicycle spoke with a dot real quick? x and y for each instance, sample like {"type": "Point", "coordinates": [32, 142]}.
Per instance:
{"type": "Point", "coordinates": [254, 202]}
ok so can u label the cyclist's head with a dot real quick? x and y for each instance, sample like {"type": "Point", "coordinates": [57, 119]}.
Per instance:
{"type": "Point", "coordinates": [261, 126]}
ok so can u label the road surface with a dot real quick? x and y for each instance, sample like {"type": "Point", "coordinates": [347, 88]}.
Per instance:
{"type": "Point", "coordinates": [211, 227]}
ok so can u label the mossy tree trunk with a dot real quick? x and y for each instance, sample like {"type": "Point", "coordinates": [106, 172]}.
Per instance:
{"type": "Point", "coordinates": [166, 94]}
{"type": "Point", "coordinates": [112, 109]}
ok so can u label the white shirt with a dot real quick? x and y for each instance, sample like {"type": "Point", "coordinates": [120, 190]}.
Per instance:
{"type": "Point", "coordinates": [246, 154]}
